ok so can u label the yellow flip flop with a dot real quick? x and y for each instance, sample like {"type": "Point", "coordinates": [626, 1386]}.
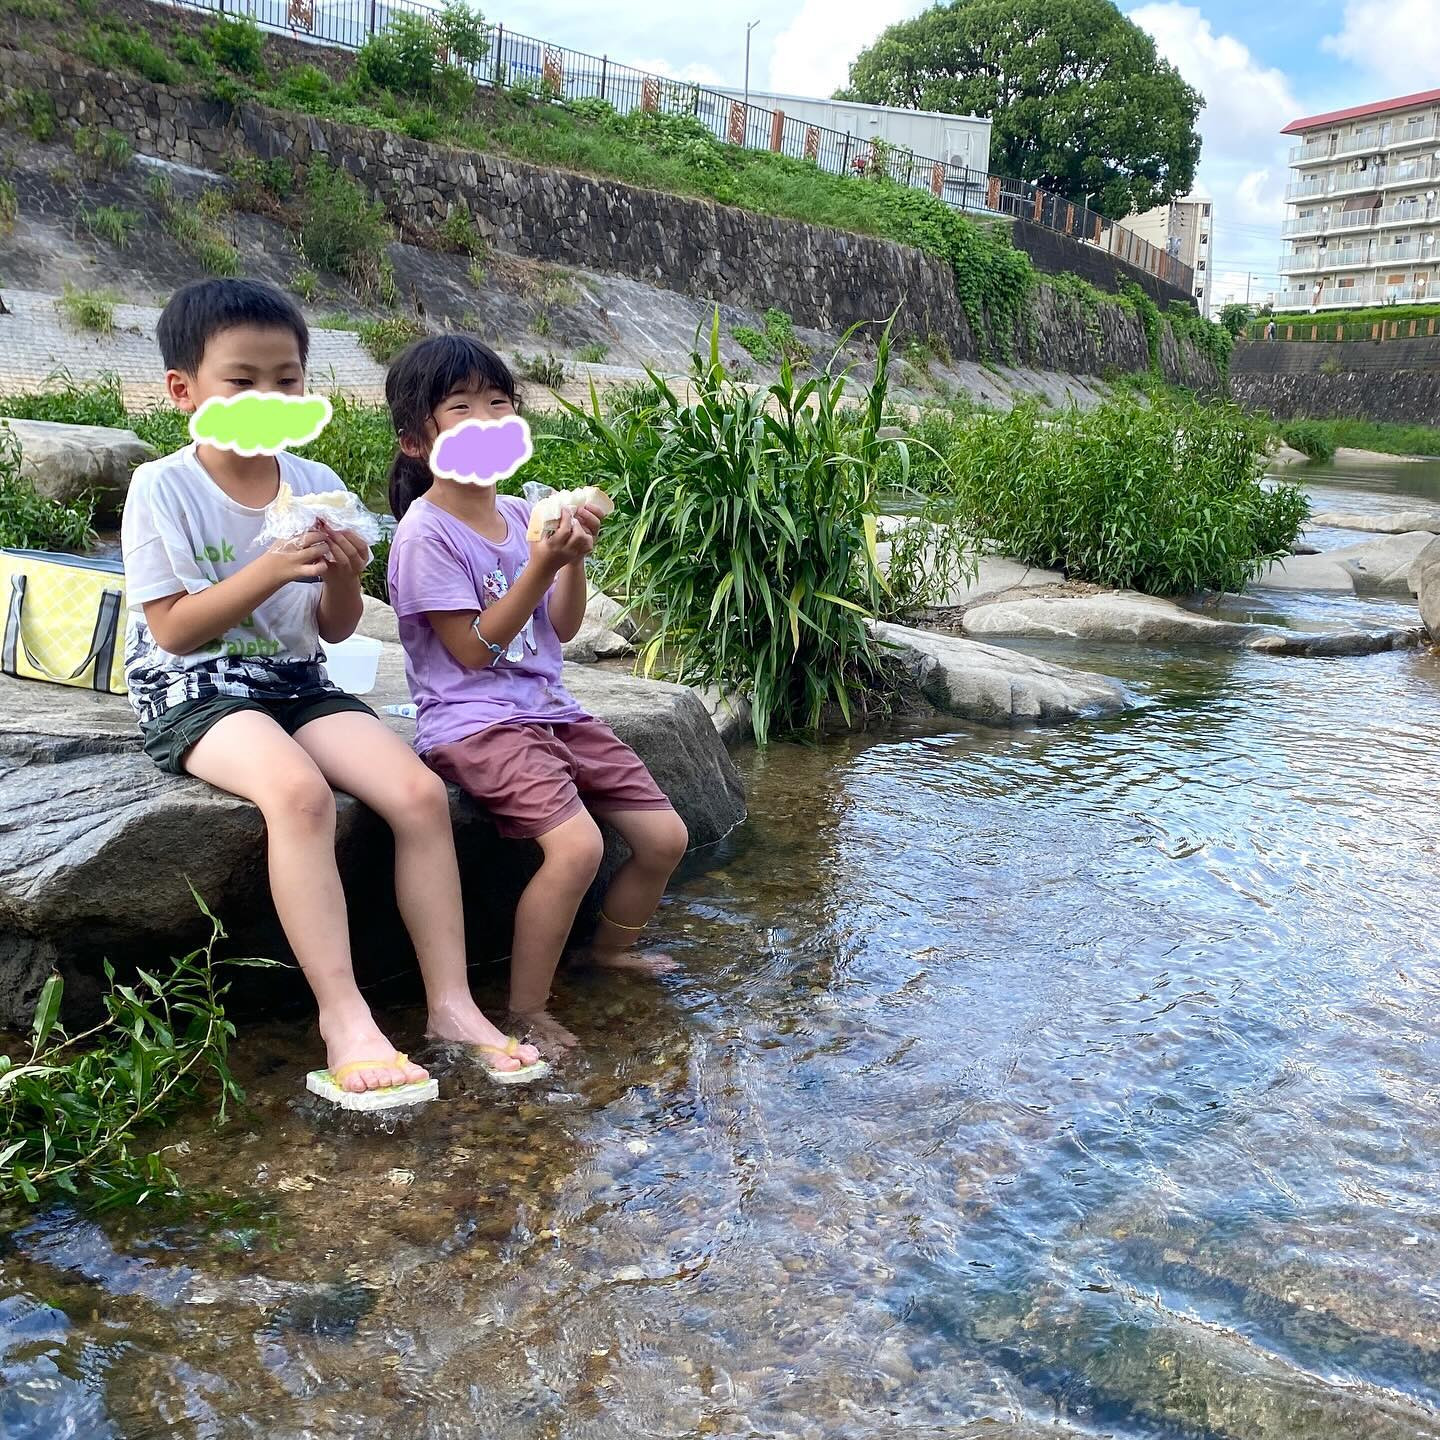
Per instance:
{"type": "Point", "coordinates": [510, 1049]}
{"type": "Point", "coordinates": [330, 1085]}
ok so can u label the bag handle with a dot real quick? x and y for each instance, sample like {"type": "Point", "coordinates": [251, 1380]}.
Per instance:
{"type": "Point", "coordinates": [102, 642]}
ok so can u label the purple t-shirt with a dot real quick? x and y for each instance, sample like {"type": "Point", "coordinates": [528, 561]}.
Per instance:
{"type": "Point", "coordinates": [439, 563]}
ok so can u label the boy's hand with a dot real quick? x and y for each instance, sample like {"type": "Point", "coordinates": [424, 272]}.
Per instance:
{"type": "Point", "coordinates": [570, 542]}
{"type": "Point", "coordinates": [306, 558]}
{"type": "Point", "coordinates": [349, 555]}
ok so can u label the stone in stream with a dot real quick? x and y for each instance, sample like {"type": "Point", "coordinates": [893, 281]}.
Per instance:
{"type": "Point", "coordinates": [99, 849]}
{"type": "Point", "coordinates": [996, 686]}
{"type": "Point", "coordinates": [1401, 522]}
{"type": "Point", "coordinates": [1305, 572]}
{"type": "Point", "coordinates": [1424, 583]}
{"type": "Point", "coordinates": [1384, 564]}
{"type": "Point", "coordinates": [65, 462]}
{"type": "Point", "coordinates": [1124, 615]}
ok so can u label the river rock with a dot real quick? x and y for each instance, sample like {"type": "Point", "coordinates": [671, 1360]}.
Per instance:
{"type": "Point", "coordinates": [1305, 572]}
{"type": "Point", "coordinates": [1424, 582]}
{"type": "Point", "coordinates": [65, 462]}
{"type": "Point", "coordinates": [993, 573]}
{"type": "Point", "coordinates": [1120, 615]}
{"type": "Point", "coordinates": [999, 687]}
{"type": "Point", "coordinates": [99, 849]}
{"type": "Point", "coordinates": [1401, 522]}
{"type": "Point", "coordinates": [1382, 564]}
{"type": "Point", "coordinates": [1325, 644]}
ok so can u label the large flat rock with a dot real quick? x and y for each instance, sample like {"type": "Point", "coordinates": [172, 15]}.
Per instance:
{"type": "Point", "coordinates": [995, 686]}
{"type": "Point", "coordinates": [1384, 564]}
{"type": "Point", "coordinates": [1120, 615]}
{"type": "Point", "coordinates": [1305, 572]}
{"type": "Point", "coordinates": [1424, 583]}
{"type": "Point", "coordinates": [65, 462]}
{"type": "Point", "coordinates": [1399, 522]}
{"type": "Point", "coordinates": [98, 849]}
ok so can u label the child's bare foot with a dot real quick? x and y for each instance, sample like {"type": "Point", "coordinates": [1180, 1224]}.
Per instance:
{"type": "Point", "coordinates": [462, 1022]}
{"type": "Point", "coordinates": [360, 1039]}
{"type": "Point", "coordinates": [549, 1036]}
{"type": "Point", "coordinates": [638, 962]}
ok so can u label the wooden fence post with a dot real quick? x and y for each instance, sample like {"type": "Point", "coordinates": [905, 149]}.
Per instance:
{"type": "Point", "coordinates": [992, 197]}
{"type": "Point", "coordinates": [777, 131]}
{"type": "Point", "coordinates": [650, 94]}
{"type": "Point", "coordinates": [937, 179]}
{"type": "Point", "coordinates": [737, 122]}
{"type": "Point", "coordinates": [812, 144]}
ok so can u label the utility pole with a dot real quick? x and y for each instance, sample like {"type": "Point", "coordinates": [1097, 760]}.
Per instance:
{"type": "Point", "coordinates": [748, 29]}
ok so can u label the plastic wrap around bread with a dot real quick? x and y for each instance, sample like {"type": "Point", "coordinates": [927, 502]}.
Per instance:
{"type": "Point", "coordinates": [551, 505]}
{"type": "Point", "coordinates": [290, 516]}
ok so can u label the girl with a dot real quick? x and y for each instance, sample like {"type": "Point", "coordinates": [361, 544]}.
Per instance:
{"type": "Point", "coordinates": [482, 615]}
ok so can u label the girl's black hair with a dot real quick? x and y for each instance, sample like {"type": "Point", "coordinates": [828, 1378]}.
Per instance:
{"type": "Point", "coordinates": [420, 377]}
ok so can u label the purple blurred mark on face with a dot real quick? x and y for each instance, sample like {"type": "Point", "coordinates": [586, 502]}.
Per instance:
{"type": "Point", "coordinates": [482, 452]}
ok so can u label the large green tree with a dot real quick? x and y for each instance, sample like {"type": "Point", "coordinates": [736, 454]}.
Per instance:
{"type": "Point", "coordinates": [1080, 101]}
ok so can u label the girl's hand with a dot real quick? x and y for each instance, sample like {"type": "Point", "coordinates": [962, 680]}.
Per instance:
{"type": "Point", "coordinates": [350, 555]}
{"type": "Point", "coordinates": [571, 541]}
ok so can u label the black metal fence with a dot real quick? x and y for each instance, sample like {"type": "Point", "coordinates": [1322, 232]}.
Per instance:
{"type": "Point", "coordinates": [553, 72]}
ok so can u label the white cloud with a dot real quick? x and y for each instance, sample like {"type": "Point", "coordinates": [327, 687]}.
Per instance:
{"type": "Point", "coordinates": [1395, 41]}
{"type": "Point", "coordinates": [1243, 159]}
{"type": "Point", "coordinates": [813, 54]}
{"type": "Point", "coordinates": [1245, 102]}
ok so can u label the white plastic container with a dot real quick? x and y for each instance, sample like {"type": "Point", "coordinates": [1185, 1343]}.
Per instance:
{"type": "Point", "coordinates": [353, 663]}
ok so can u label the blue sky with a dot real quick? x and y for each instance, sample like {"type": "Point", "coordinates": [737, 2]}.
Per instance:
{"type": "Point", "coordinates": [1259, 63]}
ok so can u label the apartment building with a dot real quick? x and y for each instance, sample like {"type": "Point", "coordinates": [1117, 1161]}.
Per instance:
{"type": "Point", "coordinates": [1363, 207]}
{"type": "Point", "coordinates": [1182, 229]}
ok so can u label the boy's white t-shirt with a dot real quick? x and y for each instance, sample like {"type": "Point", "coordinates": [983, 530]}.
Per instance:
{"type": "Point", "coordinates": [182, 533]}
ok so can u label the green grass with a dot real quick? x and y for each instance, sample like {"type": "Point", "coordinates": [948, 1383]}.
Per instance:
{"type": "Point", "coordinates": [79, 1114]}
{"type": "Point", "coordinates": [341, 232]}
{"type": "Point", "coordinates": [92, 310]}
{"type": "Point", "coordinates": [593, 354]}
{"type": "Point", "coordinates": [30, 521]}
{"type": "Point", "coordinates": [1384, 437]}
{"type": "Point", "coordinates": [9, 206]}
{"type": "Point", "coordinates": [110, 223]}
{"type": "Point", "coordinates": [305, 283]}
{"type": "Point", "coordinates": [547, 370]}
{"type": "Point", "coordinates": [387, 337]}
{"type": "Point", "coordinates": [1310, 438]}
{"type": "Point", "coordinates": [1357, 323]}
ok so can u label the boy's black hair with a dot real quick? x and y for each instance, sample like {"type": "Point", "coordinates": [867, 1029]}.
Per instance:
{"type": "Point", "coordinates": [198, 312]}
{"type": "Point", "coordinates": [420, 377]}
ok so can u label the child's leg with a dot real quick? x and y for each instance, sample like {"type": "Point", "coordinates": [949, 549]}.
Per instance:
{"type": "Point", "coordinates": [249, 755]}
{"type": "Point", "coordinates": [657, 841]}
{"type": "Point", "coordinates": [571, 852]}
{"type": "Point", "coordinates": [356, 753]}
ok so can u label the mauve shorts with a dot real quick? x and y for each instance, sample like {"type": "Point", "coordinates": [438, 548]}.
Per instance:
{"type": "Point", "coordinates": [533, 778]}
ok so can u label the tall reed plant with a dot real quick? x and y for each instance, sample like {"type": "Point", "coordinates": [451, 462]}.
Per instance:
{"type": "Point", "coordinates": [745, 530]}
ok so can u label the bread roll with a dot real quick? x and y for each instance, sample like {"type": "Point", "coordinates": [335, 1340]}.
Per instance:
{"type": "Point", "coordinates": [545, 516]}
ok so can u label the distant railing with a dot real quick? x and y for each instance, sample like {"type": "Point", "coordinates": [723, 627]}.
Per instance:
{"type": "Point", "coordinates": [554, 72]}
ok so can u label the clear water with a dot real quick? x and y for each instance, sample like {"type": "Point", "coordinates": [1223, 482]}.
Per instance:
{"type": "Point", "coordinates": [1072, 1082]}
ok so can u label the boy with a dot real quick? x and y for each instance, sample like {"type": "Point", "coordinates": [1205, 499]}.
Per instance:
{"type": "Point", "coordinates": [223, 663]}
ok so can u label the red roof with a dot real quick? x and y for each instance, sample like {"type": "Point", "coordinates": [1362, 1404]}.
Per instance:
{"type": "Point", "coordinates": [1356, 112]}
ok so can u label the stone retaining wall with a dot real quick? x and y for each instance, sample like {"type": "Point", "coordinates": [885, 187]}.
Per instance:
{"type": "Point", "coordinates": [828, 279]}
{"type": "Point", "coordinates": [1394, 380]}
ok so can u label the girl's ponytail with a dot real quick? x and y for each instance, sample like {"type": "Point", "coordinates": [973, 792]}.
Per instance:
{"type": "Point", "coordinates": [409, 480]}
{"type": "Point", "coordinates": [420, 377]}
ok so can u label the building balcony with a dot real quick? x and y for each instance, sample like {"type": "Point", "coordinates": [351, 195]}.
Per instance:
{"type": "Point", "coordinates": [1374, 177]}
{"type": "Point", "coordinates": [1355, 297]}
{"type": "Point", "coordinates": [1362, 257]}
{"type": "Point", "coordinates": [1419, 212]}
{"type": "Point", "coordinates": [1372, 140]}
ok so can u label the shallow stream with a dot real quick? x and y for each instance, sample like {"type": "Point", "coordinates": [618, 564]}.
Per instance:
{"type": "Point", "coordinates": [1068, 1082]}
